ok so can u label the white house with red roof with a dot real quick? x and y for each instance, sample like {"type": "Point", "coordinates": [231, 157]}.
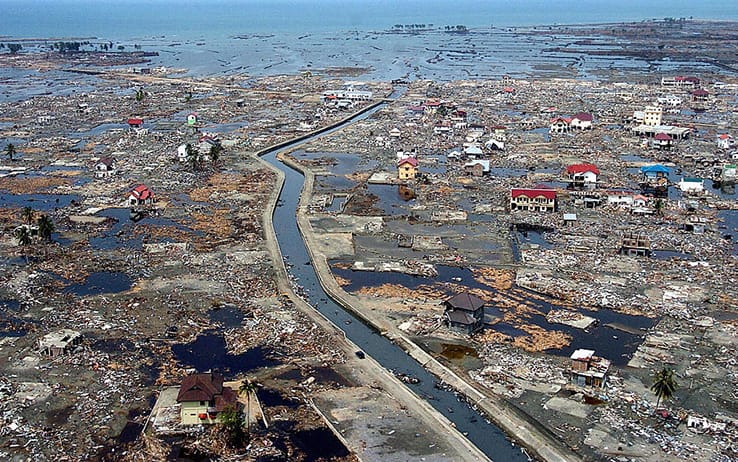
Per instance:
{"type": "Point", "coordinates": [662, 141]}
{"type": "Point", "coordinates": [724, 141]}
{"type": "Point", "coordinates": [533, 199]}
{"type": "Point", "coordinates": [582, 121]}
{"type": "Point", "coordinates": [560, 125]}
{"type": "Point", "coordinates": [141, 195]}
{"type": "Point", "coordinates": [583, 173]}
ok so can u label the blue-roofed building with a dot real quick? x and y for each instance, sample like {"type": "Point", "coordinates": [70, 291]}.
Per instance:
{"type": "Point", "coordinates": [655, 171]}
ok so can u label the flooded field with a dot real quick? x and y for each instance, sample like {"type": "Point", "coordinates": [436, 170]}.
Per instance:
{"type": "Point", "coordinates": [616, 344]}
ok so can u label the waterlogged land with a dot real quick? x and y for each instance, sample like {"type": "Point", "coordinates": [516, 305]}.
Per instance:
{"type": "Point", "coordinates": [192, 282]}
{"type": "Point", "coordinates": [431, 52]}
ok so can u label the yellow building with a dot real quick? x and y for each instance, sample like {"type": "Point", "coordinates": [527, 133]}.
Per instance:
{"type": "Point", "coordinates": [203, 397]}
{"type": "Point", "coordinates": [407, 168]}
{"type": "Point", "coordinates": [652, 116]}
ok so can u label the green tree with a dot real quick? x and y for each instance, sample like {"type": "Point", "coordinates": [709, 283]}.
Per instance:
{"type": "Point", "coordinates": [45, 227]}
{"type": "Point", "coordinates": [247, 387]}
{"type": "Point", "coordinates": [10, 151]}
{"type": "Point", "coordinates": [193, 157]}
{"type": "Point", "coordinates": [232, 422]}
{"type": "Point", "coordinates": [140, 94]}
{"type": "Point", "coordinates": [23, 236]}
{"type": "Point", "coordinates": [664, 385]}
{"type": "Point", "coordinates": [14, 48]}
{"type": "Point", "coordinates": [659, 206]}
{"type": "Point", "coordinates": [28, 215]}
{"type": "Point", "coordinates": [215, 151]}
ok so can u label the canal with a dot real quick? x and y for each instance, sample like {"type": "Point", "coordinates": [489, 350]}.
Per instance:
{"type": "Point", "coordinates": [485, 435]}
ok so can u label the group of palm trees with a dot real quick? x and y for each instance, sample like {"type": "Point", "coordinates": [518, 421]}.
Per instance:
{"type": "Point", "coordinates": [23, 234]}
{"type": "Point", "coordinates": [195, 159]}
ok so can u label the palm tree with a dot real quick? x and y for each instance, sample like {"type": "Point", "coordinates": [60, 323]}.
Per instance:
{"type": "Point", "coordinates": [24, 239]}
{"type": "Point", "coordinates": [659, 205]}
{"type": "Point", "coordinates": [215, 151]}
{"type": "Point", "coordinates": [193, 157]}
{"type": "Point", "coordinates": [27, 215]}
{"type": "Point", "coordinates": [10, 151]}
{"type": "Point", "coordinates": [664, 384]}
{"type": "Point", "coordinates": [45, 227]}
{"type": "Point", "coordinates": [248, 387]}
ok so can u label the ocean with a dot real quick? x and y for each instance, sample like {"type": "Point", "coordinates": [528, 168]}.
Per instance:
{"type": "Point", "coordinates": [134, 19]}
{"type": "Point", "coordinates": [268, 37]}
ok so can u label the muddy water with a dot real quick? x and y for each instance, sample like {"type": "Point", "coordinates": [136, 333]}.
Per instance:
{"type": "Point", "coordinates": [101, 282]}
{"type": "Point", "coordinates": [486, 437]}
{"type": "Point", "coordinates": [615, 345]}
{"type": "Point", "coordinates": [208, 351]}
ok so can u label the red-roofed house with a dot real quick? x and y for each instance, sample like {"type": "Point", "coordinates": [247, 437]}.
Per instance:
{"type": "Point", "coordinates": [135, 122]}
{"type": "Point", "coordinates": [105, 167]}
{"type": "Point", "coordinates": [202, 397]}
{"type": "Point", "coordinates": [700, 95]}
{"type": "Point", "coordinates": [560, 125]}
{"type": "Point", "coordinates": [662, 141]}
{"type": "Point", "coordinates": [583, 121]}
{"type": "Point", "coordinates": [724, 141]}
{"type": "Point", "coordinates": [533, 199]}
{"type": "Point", "coordinates": [431, 106]}
{"type": "Point", "coordinates": [407, 168]}
{"type": "Point", "coordinates": [141, 195]}
{"type": "Point", "coordinates": [583, 173]}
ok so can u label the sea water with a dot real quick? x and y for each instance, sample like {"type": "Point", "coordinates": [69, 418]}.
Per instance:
{"type": "Point", "coordinates": [189, 19]}
{"type": "Point", "coordinates": [268, 37]}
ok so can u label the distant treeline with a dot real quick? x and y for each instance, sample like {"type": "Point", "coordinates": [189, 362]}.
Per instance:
{"type": "Point", "coordinates": [412, 26]}
{"type": "Point", "coordinates": [70, 47]}
{"type": "Point", "coordinates": [416, 27]}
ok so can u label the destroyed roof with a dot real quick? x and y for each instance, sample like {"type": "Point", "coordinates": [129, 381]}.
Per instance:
{"type": "Point", "coordinates": [107, 161]}
{"type": "Point", "coordinates": [473, 150]}
{"type": "Point", "coordinates": [465, 301]}
{"type": "Point", "coordinates": [582, 168]}
{"type": "Point", "coordinates": [582, 354]}
{"type": "Point", "coordinates": [200, 387]}
{"type": "Point", "coordinates": [58, 339]}
{"type": "Point", "coordinates": [460, 317]}
{"type": "Point", "coordinates": [483, 162]}
{"type": "Point", "coordinates": [532, 193]}
{"type": "Point", "coordinates": [227, 398]}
